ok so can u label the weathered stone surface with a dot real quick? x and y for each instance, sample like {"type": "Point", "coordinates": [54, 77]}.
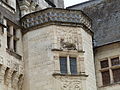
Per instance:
{"type": "Point", "coordinates": [41, 61]}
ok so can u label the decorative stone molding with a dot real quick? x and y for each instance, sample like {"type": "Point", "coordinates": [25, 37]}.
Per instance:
{"type": "Point", "coordinates": [73, 17]}
{"type": "Point", "coordinates": [67, 45]}
{"type": "Point", "coordinates": [6, 5]}
{"type": "Point", "coordinates": [14, 54]}
{"type": "Point", "coordinates": [71, 85]}
{"type": "Point", "coordinates": [69, 82]}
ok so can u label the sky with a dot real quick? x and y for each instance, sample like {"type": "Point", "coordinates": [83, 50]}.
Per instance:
{"type": "Point", "coordinates": [72, 2]}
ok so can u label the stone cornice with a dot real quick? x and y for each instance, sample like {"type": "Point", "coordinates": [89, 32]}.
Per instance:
{"type": "Point", "coordinates": [56, 16]}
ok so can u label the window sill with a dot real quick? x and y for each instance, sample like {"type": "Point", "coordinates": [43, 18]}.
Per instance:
{"type": "Point", "coordinates": [117, 83]}
{"type": "Point", "coordinates": [13, 54]}
{"type": "Point", "coordinates": [68, 50]}
{"type": "Point", "coordinates": [72, 75]}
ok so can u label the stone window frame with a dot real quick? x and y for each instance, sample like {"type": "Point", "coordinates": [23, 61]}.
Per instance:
{"type": "Point", "coordinates": [10, 34]}
{"type": "Point", "coordinates": [68, 64]}
{"type": "Point", "coordinates": [110, 68]}
{"type": "Point", "coordinates": [11, 50]}
{"type": "Point", "coordinates": [79, 59]}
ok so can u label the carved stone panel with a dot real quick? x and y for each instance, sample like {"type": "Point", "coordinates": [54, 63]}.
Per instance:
{"type": "Point", "coordinates": [68, 83]}
{"type": "Point", "coordinates": [68, 38]}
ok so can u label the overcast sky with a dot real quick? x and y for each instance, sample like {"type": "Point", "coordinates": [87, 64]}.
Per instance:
{"type": "Point", "coordinates": [72, 2]}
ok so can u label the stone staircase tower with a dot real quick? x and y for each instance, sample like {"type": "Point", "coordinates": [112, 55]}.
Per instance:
{"type": "Point", "coordinates": [58, 50]}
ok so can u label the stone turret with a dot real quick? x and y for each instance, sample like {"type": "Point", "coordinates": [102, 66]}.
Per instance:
{"type": "Point", "coordinates": [57, 50]}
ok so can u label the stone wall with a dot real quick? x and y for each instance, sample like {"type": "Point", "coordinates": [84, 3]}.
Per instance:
{"type": "Point", "coordinates": [38, 63]}
{"type": "Point", "coordinates": [42, 49]}
{"type": "Point", "coordinates": [89, 61]}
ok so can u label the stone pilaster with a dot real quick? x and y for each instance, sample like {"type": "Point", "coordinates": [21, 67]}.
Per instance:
{"type": "Point", "coordinates": [81, 65]}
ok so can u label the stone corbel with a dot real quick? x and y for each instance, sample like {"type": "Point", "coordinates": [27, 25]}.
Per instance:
{"type": "Point", "coordinates": [15, 80]}
{"type": "Point", "coordinates": [2, 73]}
{"type": "Point", "coordinates": [8, 77]}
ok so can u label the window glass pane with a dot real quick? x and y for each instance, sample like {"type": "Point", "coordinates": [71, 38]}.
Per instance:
{"type": "Point", "coordinates": [63, 65]}
{"type": "Point", "coordinates": [116, 75]}
{"type": "Point", "coordinates": [104, 64]}
{"type": "Point", "coordinates": [73, 65]}
{"type": "Point", "coordinates": [106, 77]}
{"type": "Point", "coordinates": [115, 61]}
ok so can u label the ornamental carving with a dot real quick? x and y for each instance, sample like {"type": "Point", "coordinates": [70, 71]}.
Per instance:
{"type": "Point", "coordinates": [71, 86]}
{"type": "Point", "coordinates": [68, 38]}
{"type": "Point", "coordinates": [56, 15]}
{"type": "Point", "coordinates": [67, 45]}
{"type": "Point", "coordinates": [69, 83]}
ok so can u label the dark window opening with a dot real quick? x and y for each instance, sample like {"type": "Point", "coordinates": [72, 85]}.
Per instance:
{"type": "Point", "coordinates": [73, 65]}
{"type": "Point", "coordinates": [8, 42]}
{"type": "Point", "coordinates": [14, 32]}
{"type": "Point", "coordinates": [106, 77]}
{"type": "Point", "coordinates": [15, 45]}
{"type": "Point", "coordinates": [8, 28]}
{"type": "Point", "coordinates": [116, 75]}
{"type": "Point", "coordinates": [115, 61]}
{"type": "Point", "coordinates": [104, 64]}
{"type": "Point", "coordinates": [63, 65]}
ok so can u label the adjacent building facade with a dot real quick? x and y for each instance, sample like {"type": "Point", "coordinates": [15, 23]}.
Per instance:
{"type": "Point", "coordinates": [46, 47]}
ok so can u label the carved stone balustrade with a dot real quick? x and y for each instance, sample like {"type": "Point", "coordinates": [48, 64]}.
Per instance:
{"type": "Point", "coordinates": [56, 15]}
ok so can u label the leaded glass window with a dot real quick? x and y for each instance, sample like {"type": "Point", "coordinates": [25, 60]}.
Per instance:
{"type": "Point", "coordinates": [73, 65]}
{"type": "Point", "coordinates": [63, 65]}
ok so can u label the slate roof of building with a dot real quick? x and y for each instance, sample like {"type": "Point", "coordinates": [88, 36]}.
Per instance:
{"type": "Point", "coordinates": [105, 15]}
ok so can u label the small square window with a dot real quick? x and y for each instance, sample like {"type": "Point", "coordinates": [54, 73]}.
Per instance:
{"type": "Point", "coordinates": [115, 61]}
{"type": "Point", "coordinates": [104, 64]}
